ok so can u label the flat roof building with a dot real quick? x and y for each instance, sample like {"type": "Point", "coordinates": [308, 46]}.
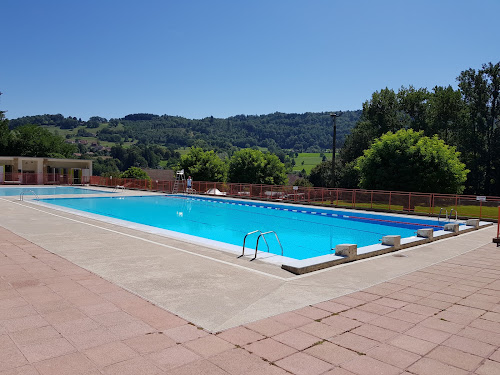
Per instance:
{"type": "Point", "coordinates": [39, 171]}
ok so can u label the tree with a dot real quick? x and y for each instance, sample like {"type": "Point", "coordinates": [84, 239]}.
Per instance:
{"type": "Point", "coordinates": [409, 161]}
{"type": "Point", "coordinates": [135, 172]}
{"type": "Point", "coordinates": [256, 167]}
{"type": "Point", "coordinates": [203, 165]}
{"type": "Point", "coordinates": [33, 140]}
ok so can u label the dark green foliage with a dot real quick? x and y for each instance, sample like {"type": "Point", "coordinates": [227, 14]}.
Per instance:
{"type": "Point", "coordinates": [409, 161]}
{"type": "Point", "coordinates": [256, 167]}
{"type": "Point", "coordinates": [135, 172]}
{"type": "Point", "coordinates": [203, 165]}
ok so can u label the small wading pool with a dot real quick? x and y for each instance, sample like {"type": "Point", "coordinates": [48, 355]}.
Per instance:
{"type": "Point", "coordinates": [304, 232]}
{"type": "Point", "coordinates": [55, 190]}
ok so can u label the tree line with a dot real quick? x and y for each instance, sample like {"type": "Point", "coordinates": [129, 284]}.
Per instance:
{"type": "Point", "coordinates": [466, 118]}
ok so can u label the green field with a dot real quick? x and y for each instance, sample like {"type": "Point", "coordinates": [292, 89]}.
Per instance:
{"type": "Point", "coordinates": [308, 160]}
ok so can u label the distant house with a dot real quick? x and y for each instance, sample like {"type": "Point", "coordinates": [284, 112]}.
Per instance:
{"type": "Point", "coordinates": [39, 171]}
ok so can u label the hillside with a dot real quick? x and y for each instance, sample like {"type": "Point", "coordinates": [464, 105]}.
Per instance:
{"type": "Point", "coordinates": [307, 132]}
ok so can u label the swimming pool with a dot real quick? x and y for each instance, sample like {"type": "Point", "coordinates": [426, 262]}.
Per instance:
{"type": "Point", "coordinates": [53, 190]}
{"type": "Point", "coordinates": [303, 232]}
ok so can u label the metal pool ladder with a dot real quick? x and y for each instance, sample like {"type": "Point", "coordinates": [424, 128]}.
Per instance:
{"type": "Point", "coordinates": [245, 239]}
{"type": "Point", "coordinates": [446, 213]}
{"type": "Point", "coordinates": [262, 235]}
{"type": "Point", "coordinates": [456, 214]}
{"type": "Point", "coordinates": [21, 196]}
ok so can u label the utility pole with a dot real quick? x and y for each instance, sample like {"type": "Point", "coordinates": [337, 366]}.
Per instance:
{"type": "Point", "coordinates": [334, 146]}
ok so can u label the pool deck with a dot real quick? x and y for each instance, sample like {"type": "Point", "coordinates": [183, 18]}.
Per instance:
{"type": "Point", "coordinates": [74, 298]}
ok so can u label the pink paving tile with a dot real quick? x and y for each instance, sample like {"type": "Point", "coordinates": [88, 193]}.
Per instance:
{"type": "Point", "coordinates": [455, 357]}
{"type": "Point", "coordinates": [391, 323]}
{"type": "Point", "coordinates": [240, 336]}
{"type": "Point", "coordinates": [269, 349]}
{"type": "Point", "coordinates": [481, 335]}
{"type": "Point", "coordinates": [23, 370]}
{"type": "Point", "coordinates": [354, 342]}
{"type": "Point", "coordinates": [405, 297]}
{"type": "Point", "coordinates": [27, 322]}
{"type": "Point", "coordinates": [378, 290]}
{"type": "Point", "coordinates": [101, 308]}
{"type": "Point", "coordinates": [321, 330]}
{"type": "Point", "coordinates": [297, 339]}
{"type": "Point", "coordinates": [12, 302]}
{"type": "Point", "coordinates": [495, 356]}
{"type": "Point", "coordinates": [406, 316]}
{"type": "Point", "coordinates": [131, 329]}
{"type": "Point", "coordinates": [359, 315]}
{"type": "Point", "coordinates": [454, 317]}
{"type": "Point", "coordinates": [367, 297]}
{"type": "Point", "coordinates": [134, 366]}
{"type": "Point", "coordinates": [292, 319]}
{"type": "Point", "coordinates": [466, 310]}
{"type": "Point", "coordinates": [428, 334]}
{"type": "Point", "coordinates": [150, 342]}
{"type": "Point", "coordinates": [434, 303]}
{"type": "Point", "coordinates": [69, 364]}
{"type": "Point", "coordinates": [374, 332]}
{"type": "Point", "coordinates": [113, 318]}
{"type": "Point", "coordinates": [468, 345]}
{"type": "Point", "coordinates": [442, 325]}
{"type": "Point", "coordinates": [389, 302]}
{"type": "Point", "coordinates": [428, 366]}
{"type": "Point", "coordinates": [110, 353]}
{"type": "Point", "coordinates": [489, 368]}
{"type": "Point", "coordinates": [209, 346]}
{"type": "Point", "coordinates": [76, 326]}
{"type": "Point", "coordinates": [487, 325]}
{"type": "Point", "coordinates": [445, 297]}
{"type": "Point", "coordinates": [198, 367]}
{"type": "Point", "coordinates": [267, 327]}
{"type": "Point", "coordinates": [10, 356]}
{"type": "Point", "coordinates": [34, 334]}
{"type": "Point", "coordinates": [394, 286]}
{"type": "Point", "coordinates": [331, 353]}
{"type": "Point", "coordinates": [185, 333]}
{"type": "Point", "coordinates": [364, 365]}
{"type": "Point", "coordinates": [64, 316]}
{"type": "Point", "coordinates": [240, 362]}
{"type": "Point", "coordinates": [421, 309]}
{"type": "Point", "coordinates": [17, 312]}
{"type": "Point", "coordinates": [340, 324]}
{"type": "Point", "coordinates": [417, 292]}
{"type": "Point", "coordinates": [45, 349]}
{"type": "Point", "coordinates": [375, 308]}
{"type": "Point", "coordinates": [331, 306]}
{"type": "Point", "coordinates": [491, 316]}
{"type": "Point", "coordinates": [312, 312]}
{"type": "Point", "coordinates": [339, 371]}
{"type": "Point", "coordinates": [393, 356]}
{"type": "Point", "coordinates": [349, 301]}
{"type": "Point", "coordinates": [412, 344]}
{"type": "Point", "coordinates": [89, 339]}
{"type": "Point", "coordinates": [304, 364]}
{"type": "Point", "coordinates": [156, 316]}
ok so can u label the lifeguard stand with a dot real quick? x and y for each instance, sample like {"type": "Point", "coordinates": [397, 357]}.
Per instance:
{"type": "Point", "coordinates": [180, 179]}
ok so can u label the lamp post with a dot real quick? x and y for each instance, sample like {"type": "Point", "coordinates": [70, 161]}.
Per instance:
{"type": "Point", "coordinates": [334, 148]}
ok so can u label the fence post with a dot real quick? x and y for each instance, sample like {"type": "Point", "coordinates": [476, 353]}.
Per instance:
{"type": "Point", "coordinates": [390, 196]}
{"type": "Point", "coordinates": [354, 198]}
{"type": "Point", "coordinates": [371, 199]}
{"type": "Point", "coordinates": [480, 208]}
{"type": "Point", "coordinates": [337, 203]}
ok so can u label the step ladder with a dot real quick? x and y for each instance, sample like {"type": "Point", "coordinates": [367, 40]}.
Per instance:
{"type": "Point", "coordinates": [180, 179]}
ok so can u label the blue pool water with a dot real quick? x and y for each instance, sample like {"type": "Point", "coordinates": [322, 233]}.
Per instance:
{"type": "Point", "coordinates": [303, 232]}
{"type": "Point", "coordinates": [55, 190]}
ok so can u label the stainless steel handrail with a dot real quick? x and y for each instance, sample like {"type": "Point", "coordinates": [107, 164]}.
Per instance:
{"type": "Point", "coordinates": [244, 240]}
{"type": "Point", "coordinates": [456, 214]}
{"type": "Point", "coordinates": [21, 196]}
{"type": "Point", "coordinates": [262, 235]}
{"type": "Point", "coordinates": [441, 210]}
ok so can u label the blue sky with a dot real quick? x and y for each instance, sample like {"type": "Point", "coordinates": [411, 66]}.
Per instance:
{"type": "Point", "coordinates": [222, 58]}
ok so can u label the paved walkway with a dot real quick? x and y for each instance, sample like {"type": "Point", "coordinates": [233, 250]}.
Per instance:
{"type": "Point", "coordinates": [57, 318]}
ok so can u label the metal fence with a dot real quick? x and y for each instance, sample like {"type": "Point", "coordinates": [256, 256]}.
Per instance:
{"type": "Point", "coordinates": [467, 206]}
